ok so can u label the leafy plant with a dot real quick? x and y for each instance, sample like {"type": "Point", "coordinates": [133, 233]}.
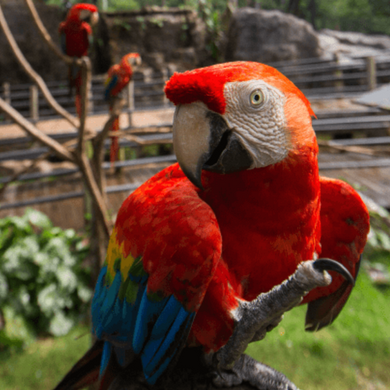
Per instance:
{"type": "Point", "coordinates": [43, 285]}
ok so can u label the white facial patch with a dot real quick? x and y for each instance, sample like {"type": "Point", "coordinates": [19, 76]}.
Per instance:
{"type": "Point", "coordinates": [255, 113]}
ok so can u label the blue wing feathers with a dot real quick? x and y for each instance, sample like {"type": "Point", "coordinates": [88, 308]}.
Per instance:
{"type": "Point", "coordinates": [154, 354]}
{"type": "Point", "coordinates": [125, 316]}
{"type": "Point", "coordinates": [166, 318]}
{"type": "Point", "coordinates": [148, 312]}
{"type": "Point", "coordinates": [110, 87]}
{"type": "Point", "coordinates": [107, 348]}
{"type": "Point", "coordinates": [168, 352]}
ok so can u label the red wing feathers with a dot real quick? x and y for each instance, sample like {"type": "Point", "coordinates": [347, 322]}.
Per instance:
{"type": "Point", "coordinates": [344, 225]}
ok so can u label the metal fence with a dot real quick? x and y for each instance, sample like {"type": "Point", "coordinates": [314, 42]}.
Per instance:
{"type": "Point", "coordinates": [317, 78]}
{"type": "Point", "coordinates": [323, 78]}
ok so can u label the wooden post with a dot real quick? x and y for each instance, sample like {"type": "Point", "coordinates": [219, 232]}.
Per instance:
{"type": "Point", "coordinates": [90, 97]}
{"type": "Point", "coordinates": [7, 92]}
{"type": "Point", "coordinates": [165, 76]}
{"type": "Point", "coordinates": [371, 73]}
{"type": "Point", "coordinates": [130, 101]}
{"type": "Point", "coordinates": [7, 96]}
{"type": "Point", "coordinates": [34, 103]}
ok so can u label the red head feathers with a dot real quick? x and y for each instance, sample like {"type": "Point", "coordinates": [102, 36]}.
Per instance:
{"type": "Point", "coordinates": [207, 84]}
{"type": "Point", "coordinates": [76, 10]}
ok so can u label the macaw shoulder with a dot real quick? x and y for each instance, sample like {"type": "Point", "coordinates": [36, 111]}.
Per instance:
{"type": "Point", "coordinates": [86, 28]}
{"type": "Point", "coordinates": [175, 232]}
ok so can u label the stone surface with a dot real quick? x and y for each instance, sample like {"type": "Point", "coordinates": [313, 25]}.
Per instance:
{"type": "Point", "coordinates": [159, 36]}
{"type": "Point", "coordinates": [162, 36]}
{"type": "Point", "coordinates": [347, 45]}
{"type": "Point", "coordinates": [269, 36]}
{"type": "Point", "coordinates": [36, 51]}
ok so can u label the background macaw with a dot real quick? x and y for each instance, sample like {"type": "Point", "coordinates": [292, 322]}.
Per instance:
{"type": "Point", "coordinates": [75, 35]}
{"type": "Point", "coordinates": [118, 76]}
{"type": "Point", "coordinates": [212, 251]}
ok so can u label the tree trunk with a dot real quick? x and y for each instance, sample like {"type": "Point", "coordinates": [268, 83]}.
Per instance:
{"type": "Point", "coordinates": [293, 7]}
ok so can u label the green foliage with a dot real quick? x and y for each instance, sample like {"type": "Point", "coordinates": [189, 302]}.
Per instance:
{"type": "Point", "coordinates": [352, 353]}
{"type": "Point", "coordinates": [378, 244]}
{"type": "Point", "coordinates": [43, 286]}
{"type": "Point", "coordinates": [43, 363]}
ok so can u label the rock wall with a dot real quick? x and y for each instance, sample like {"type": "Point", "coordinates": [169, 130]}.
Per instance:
{"type": "Point", "coordinates": [163, 37]}
{"type": "Point", "coordinates": [30, 42]}
{"type": "Point", "coordinates": [176, 38]}
{"type": "Point", "coordinates": [268, 36]}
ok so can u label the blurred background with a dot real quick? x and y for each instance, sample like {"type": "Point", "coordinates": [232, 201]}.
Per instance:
{"type": "Point", "coordinates": [336, 51]}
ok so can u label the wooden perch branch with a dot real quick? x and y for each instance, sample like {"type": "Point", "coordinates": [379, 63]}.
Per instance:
{"type": "Point", "coordinates": [34, 75]}
{"type": "Point", "coordinates": [86, 78]}
{"type": "Point", "coordinates": [99, 139]}
{"type": "Point", "coordinates": [34, 132]}
{"type": "Point", "coordinates": [46, 36]}
{"type": "Point", "coordinates": [92, 181]}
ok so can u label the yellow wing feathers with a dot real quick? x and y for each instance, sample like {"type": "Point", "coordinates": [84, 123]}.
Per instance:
{"type": "Point", "coordinates": [115, 252]}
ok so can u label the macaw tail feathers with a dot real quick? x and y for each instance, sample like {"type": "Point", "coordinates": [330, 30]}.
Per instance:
{"type": "Point", "coordinates": [114, 142]}
{"type": "Point", "coordinates": [86, 371]}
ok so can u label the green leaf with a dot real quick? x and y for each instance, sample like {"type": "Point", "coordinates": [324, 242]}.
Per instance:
{"type": "Point", "coordinates": [38, 219]}
{"type": "Point", "coordinates": [84, 293]}
{"type": "Point", "coordinates": [48, 299]}
{"type": "Point", "coordinates": [16, 327]}
{"type": "Point", "coordinates": [66, 278]}
{"type": "Point", "coordinates": [384, 239]}
{"type": "Point", "coordinates": [60, 325]}
{"type": "Point", "coordinates": [41, 276]}
{"type": "Point", "coordinates": [3, 288]}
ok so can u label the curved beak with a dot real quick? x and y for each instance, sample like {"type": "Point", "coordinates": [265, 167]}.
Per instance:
{"type": "Point", "coordinates": [94, 18]}
{"type": "Point", "coordinates": [202, 139]}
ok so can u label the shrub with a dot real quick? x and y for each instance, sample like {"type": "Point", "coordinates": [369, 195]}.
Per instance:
{"type": "Point", "coordinates": [43, 285]}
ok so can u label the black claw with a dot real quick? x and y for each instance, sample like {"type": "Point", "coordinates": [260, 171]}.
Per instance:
{"type": "Point", "coordinates": [332, 265]}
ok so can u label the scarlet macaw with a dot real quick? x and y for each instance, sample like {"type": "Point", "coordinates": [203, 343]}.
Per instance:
{"type": "Point", "coordinates": [75, 36]}
{"type": "Point", "coordinates": [210, 252]}
{"type": "Point", "coordinates": [119, 75]}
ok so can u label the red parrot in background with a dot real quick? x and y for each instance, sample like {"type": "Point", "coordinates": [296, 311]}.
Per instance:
{"type": "Point", "coordinates": [75, 36]}
{"type": "Point", "coordinates": [118, 76]}
{"type": "Point", "coordinates": [212, 251]}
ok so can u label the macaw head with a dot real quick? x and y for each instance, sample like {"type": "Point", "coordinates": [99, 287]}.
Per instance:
{"type": "Point", "coordinates": [82, 11]}
{"type": "Point", "coordinates": [131, 59]}
{"type": "Point", "coordinates": [236, 116]}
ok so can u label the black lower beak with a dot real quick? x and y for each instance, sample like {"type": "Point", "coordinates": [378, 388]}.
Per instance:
{"type": "Point", "coordinates": [226, 153]}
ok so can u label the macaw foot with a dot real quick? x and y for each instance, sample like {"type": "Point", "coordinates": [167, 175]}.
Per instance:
{"type": "Point", "coordinates": [260, 376]}
{"type": "Point", "coordinates": [255, 318]}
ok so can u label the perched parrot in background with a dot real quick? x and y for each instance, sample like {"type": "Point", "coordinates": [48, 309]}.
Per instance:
{"type": "Point", "coordinates": [213, 250]}
{"type": "Point", "coordinates": [118, 76]}
{"type": "Point", "coordinates": [76, 35]}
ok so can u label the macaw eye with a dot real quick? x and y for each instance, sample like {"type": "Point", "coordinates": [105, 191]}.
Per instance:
{"type": "Point", "coordinates": [257, 98]}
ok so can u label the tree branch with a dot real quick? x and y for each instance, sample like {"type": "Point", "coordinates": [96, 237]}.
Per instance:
{"type": "Point", "coordinates": [21, 172]}
{"type": "Point", "coordinates": [86, 80]}
{"type": "Point", "coordinates": [46, 36]}
{"type": "Point", "coordinates": [92, 181]}
{"type": "Point", "coordinates": [99, 139]}
{"type": "Point", "coordinates": [34, 132]}
{"type": "Point", "coordinates": [94, 190]}
{"type": "Point", "coordinates": [34, 75]}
